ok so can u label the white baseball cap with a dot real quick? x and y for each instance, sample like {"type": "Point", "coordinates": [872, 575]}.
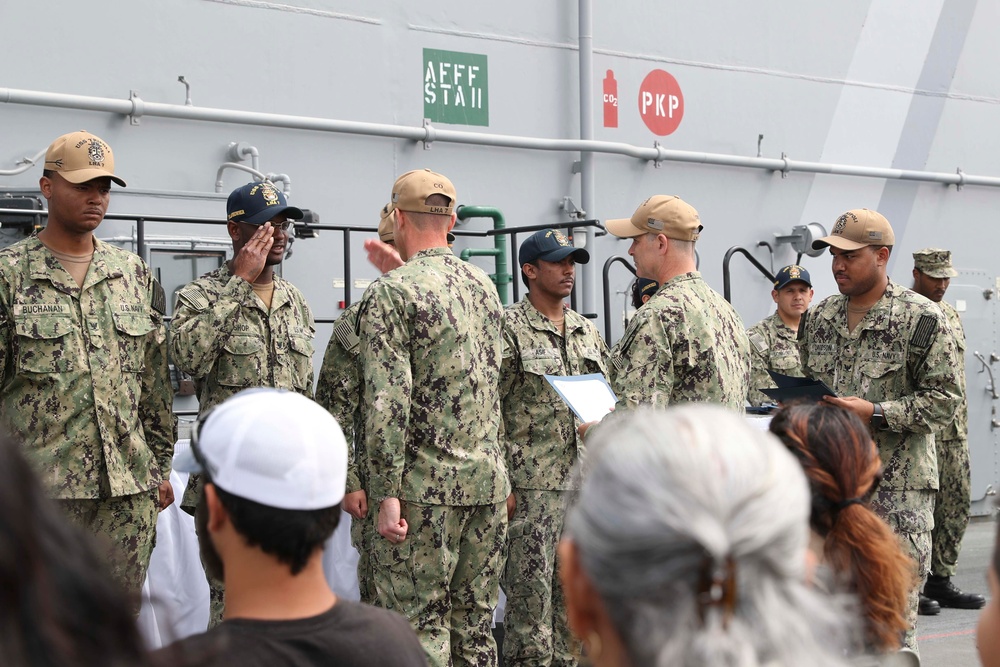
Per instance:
{"type": "Point", "coordinates": [271, 446]}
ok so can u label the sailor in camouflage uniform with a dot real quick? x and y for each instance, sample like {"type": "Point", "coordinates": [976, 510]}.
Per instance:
{"type": "Point", "coordinates": [773, 344]}
{"type": "Point", "coordinates": [932, 273]}
{"type": "Point", "coordinates": [541, 336]}
{"type": "Point", "coordinates": [242, 325]}
{"type": "Point", "coordinates": [86, 387]}
{"type": "Point", "coordinates": [890, 356]}
{"type": "Point", "coordinates": [431, 350]}
{"type": "Point", "coordinates": [687, 343]}
{"type": "Point", "coordinates": [338, 389]}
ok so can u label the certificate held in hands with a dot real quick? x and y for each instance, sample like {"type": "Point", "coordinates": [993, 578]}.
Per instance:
{"type": "Point", "coordinates": [790, 388]}
{"type": "Point", "coordinates": [589, 396]}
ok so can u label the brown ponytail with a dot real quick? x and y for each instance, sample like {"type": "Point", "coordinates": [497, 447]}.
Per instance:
{"type": "Point", "coordinates": [843, 466]}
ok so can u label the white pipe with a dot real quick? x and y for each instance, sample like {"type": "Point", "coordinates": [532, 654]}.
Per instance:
{"type": "Point", "coordinates": [240, 151]}
{"type": "Point", "coordinates": [657, 153]}
{"type": "Point", "coordinates": [588, 272]}
{"type": "Point", "coordinates": [282, 178]}
{"type": "Point", "coordinates": [187, 91]}
{"type": "Point", "coordinates": [26, 164]}
{"type": "Point", "coordinates": [234, 165]}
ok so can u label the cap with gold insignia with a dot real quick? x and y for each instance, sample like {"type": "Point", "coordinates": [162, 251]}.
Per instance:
{"type": "Point", "coordinates": [550, 246]}
{"type": "Point", "coordinates": [80, 157]}
{"type": "Point", "coordinates": [411, 190]}
{"type": "Point", "coordinates": [643, 288]}
{"type": "Point", "coordinates": [934, 262]}
{"type": "Point", "coordinates": [256, 203]}
{"type": "Point", "coordinates": [856, 229]}
{"type": "Point", "coordinates": [790, 274]}
{"type": "Point", "coordinates": [661, 214]}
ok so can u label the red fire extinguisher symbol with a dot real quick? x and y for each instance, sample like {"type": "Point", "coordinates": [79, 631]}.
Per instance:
{"type": "Point", "coordinates": [610, 100]}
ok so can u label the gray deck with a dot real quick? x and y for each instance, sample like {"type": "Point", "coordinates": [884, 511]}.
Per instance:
{"type": "Point", "coordinates": [949, 639]}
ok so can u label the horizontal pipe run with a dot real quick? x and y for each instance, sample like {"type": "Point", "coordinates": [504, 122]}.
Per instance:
{"type": "Point", "coordinates": [431, 134]}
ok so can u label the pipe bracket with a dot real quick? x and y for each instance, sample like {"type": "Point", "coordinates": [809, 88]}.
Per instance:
{"type": "Point", "coordinates": [137, 107]}
{"type": "Point", "coordinates": [784, 168]}
{"type": "Point", "coordinates": [658, 160]}
{"type": "Point", "coordinates": [429, 134]}
{"type": "Point", "coordinates": [961, 179]}
{"type": "Point", "coordinates": [572, 210]}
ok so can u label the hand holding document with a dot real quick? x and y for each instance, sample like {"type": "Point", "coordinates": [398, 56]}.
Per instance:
{"type": "Point", "coordinates": [589, 396]}
{"type": "Point", "coordinates": [789, 388]}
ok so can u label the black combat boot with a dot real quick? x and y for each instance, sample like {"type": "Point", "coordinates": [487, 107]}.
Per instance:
{"type": "Point", "coordinates": [948, 594]}
{"type": "Point", "coordinates": [928, 607]}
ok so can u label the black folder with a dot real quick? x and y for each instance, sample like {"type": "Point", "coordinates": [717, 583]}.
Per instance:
{"type": "Point", "coordinates": [790, 388]}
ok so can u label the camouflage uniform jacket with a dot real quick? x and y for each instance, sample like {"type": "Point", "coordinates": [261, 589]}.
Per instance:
{"type": "Point", "coordinates": [338, 389]}
{"type": "Point", "coordinates": [224, 337]}
{"type": "Point", "coordinates": [541, 443]}
{"type": "Point", "coordinates": [773, 347]}
{"type": "Point", "coordinates": [686, 344]}
{"type": "Point", "coordinates": [902, 355]}
{"type": "Point", "coordinates": [431, 344]}
{"type": "Point", "coordinates": [86, 387]}
{"type": "Point", "coordinates": [958, 428]}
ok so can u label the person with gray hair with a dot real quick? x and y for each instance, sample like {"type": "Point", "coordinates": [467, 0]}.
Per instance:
{"type": "Point", "coordinates": [687, 546]}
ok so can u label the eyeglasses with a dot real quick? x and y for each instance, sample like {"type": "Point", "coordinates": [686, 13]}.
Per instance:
{"type": "Point", "coordinates": [276, 226]}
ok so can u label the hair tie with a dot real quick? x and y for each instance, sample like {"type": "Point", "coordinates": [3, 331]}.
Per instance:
{"type": "Point", "coordinates": [850, 501]}
{"type": "Point", "coordinates": [717, 588]}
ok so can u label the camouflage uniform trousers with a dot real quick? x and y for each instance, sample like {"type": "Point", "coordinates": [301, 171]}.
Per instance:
{"type": "Point", "coordinates": [910, 514]}
{"type": "Point", "coordinates": [445, 578]}
{"type": "Point", "coordinates": [952, 505]}
{"type": "Point", "coordinates": [362, 535]}
{"type": "Point", "coordinates": [535, 627]}
{"type": "Point", "coordinates": [125, 527]}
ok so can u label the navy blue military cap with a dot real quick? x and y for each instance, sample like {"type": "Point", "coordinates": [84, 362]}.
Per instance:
{"type": "Point", "coordinates": [256, 203]}
{"type": "Point", "coordinates": [790, 274]}
{"type": "Point", "coordinates": [551, 246]}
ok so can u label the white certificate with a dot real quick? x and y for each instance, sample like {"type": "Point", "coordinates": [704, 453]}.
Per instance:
{"type": "Point", "coordinates": [588, 396]}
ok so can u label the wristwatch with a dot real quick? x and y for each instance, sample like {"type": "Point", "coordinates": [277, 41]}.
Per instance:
{"type": "Point", "coordinates": [878, 418]}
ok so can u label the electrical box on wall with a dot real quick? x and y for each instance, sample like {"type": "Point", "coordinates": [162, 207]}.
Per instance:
{"type": "Point", "coordinates": [27, 221]}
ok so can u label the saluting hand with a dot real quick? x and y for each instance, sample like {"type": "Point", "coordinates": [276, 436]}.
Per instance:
{"type": "Point", "coordinates": [382, 255]}
{"type": "Point", "coordinates": [252, 257]}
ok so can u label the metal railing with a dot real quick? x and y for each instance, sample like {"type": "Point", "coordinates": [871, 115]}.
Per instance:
{"type": "Point", "coordinates": [512, 232]}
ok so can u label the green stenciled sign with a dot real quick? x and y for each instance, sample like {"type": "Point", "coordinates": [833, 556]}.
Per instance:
{"type": "Point", "coordinates": [456, 88]}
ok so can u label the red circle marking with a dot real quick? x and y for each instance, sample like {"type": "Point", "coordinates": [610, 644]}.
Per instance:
{"type": "Point", "coordinates": [661, 103]}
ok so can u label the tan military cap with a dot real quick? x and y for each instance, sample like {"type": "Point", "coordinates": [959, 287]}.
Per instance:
{"type": "Point", "coordinates": [80, 157]}
{"type": "Point", "coordinates": [856, 229]}
{"type": "Point", "coordinates": [387, 219]}
{"type": "Point", "coordinates": [661, 214]}
{"type": "Point", "coordinates": [411, 190]}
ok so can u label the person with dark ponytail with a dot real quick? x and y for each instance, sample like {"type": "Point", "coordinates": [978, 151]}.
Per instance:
{"type": "Point", "coordinates": [859, 550]}
{"type": "Point", "coordinates": [59, 604]}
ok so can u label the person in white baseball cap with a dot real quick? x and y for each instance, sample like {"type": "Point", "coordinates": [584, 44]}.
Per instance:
{"type": "Point", "coordinates": [275, 468]}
